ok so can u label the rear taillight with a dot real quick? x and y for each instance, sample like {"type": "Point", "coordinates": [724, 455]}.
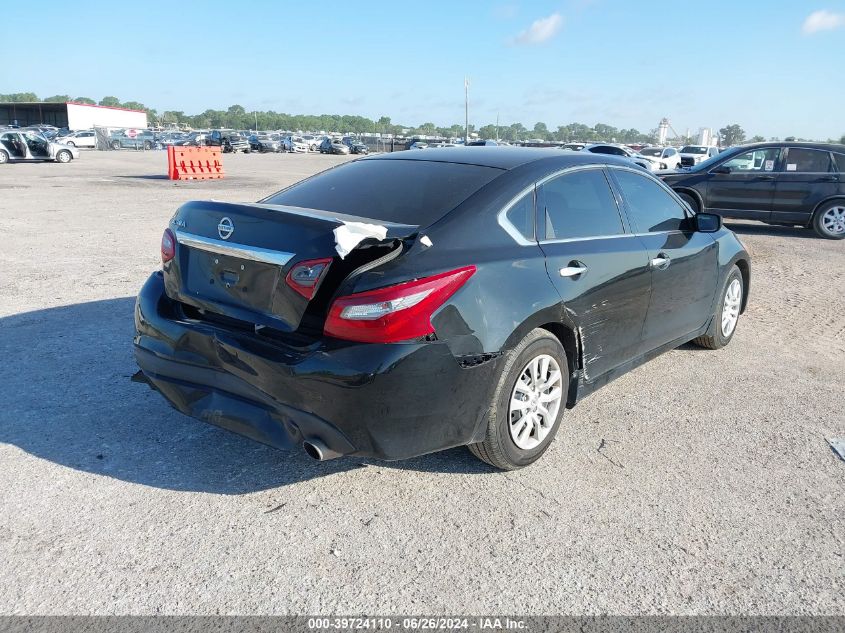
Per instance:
{"type": "Point", "coordinates": [396, 313]}
{"type": "Point", "coordinates": [168, 246]}
{"type": "Point", "coordinates": [306, 276]}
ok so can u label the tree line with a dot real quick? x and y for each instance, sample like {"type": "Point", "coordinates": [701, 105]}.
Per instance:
{"type": "Point", "coordinates": [237, 117]}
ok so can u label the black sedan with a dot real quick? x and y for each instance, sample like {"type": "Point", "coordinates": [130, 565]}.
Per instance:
{"type": "Point", "coordinates": [791, 184]}
{"type": "Point", "coordinates": [411, 302]}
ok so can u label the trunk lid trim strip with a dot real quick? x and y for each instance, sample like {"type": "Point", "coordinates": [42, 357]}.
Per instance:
{"type": "Point", "coordinates": [232, 249]}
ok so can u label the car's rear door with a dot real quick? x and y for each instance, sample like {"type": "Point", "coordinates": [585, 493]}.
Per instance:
{"type": "Point", "coordinates": [598, 266]}
{"type": "Point", "coordinates": [683, 262]}
{"type": "Point", "coordinates": [747, 188]}
{"type": "Point", "coordinates": [808, 177]}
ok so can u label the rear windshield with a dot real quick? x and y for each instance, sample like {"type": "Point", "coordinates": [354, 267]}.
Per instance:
{"type": "Point", "coordinates": [693, 149]}
{"type": "Point", "coordinates": [651, 152]}
{"type": "Point", "coordinates": [402, 191]}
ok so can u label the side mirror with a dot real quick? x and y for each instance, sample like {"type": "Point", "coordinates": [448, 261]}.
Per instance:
{"type": "Point", "coordinates": [708, 222]}
{"type": "Point", "coordinates": [722, 169]}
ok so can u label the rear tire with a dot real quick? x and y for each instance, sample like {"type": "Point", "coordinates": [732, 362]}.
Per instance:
{"type": "Point", "coordinates": [726, 317]}
{"type": "Point", "coordinates": [829, 220]}
{"type": "Point", "coordinates": [528, 403]}
{"type": "Point", "coordinates": [4, 157]}
{"type": "Point", "coordinates": [115, 145]}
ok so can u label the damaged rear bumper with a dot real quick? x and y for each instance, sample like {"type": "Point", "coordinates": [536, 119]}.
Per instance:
{"type": "Point", "coordinates": [383, 401]}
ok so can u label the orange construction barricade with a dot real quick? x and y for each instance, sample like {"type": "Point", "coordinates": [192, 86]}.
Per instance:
{"type": "Point", "coordinates": [194, 163]}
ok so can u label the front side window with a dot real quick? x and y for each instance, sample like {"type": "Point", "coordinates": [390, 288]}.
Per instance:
{"type": "Point", "coordinates": [807, 160]}
{"type": "Point", "coordinates": [755, 160]}
{"type": "Point", "coordinates": [578, 205]}
{"type": "Point", "coordinates": [652, 208]}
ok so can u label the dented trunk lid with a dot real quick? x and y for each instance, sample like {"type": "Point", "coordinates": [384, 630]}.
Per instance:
{"type": "Point", "coordinates": [232, 259]}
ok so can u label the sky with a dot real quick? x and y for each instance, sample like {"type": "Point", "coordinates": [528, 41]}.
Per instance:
{"type": "Point", "coordinates": [776, 67]}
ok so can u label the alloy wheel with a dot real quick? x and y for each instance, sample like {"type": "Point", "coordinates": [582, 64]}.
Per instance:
{"type": "Point", "coordinates": [730, 309]}
{"type": "Point", "coordinates": [535, 402]}
{"type": "Point", "coordinates": [833, 221]}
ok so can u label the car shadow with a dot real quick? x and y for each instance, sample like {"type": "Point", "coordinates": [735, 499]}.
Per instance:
{"type": "Point", "coordinates": [69, 398]}
{"type": "Point", "coordinates": [769, 229]}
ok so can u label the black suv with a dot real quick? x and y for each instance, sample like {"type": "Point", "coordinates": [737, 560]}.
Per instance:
{"type": "Point", "coordinates": [228, 141]}
{"type": "Point", "coordinates": [787, 184]}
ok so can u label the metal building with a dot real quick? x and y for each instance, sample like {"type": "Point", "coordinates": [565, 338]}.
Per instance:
{"type": "Point", "coordinates": [76, 116]}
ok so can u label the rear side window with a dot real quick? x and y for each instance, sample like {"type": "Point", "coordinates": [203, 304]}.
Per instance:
{"type": "Point", "coordinates": [840, 162]}
{"type": "Point", "coordinates": [579, 204]}
{"type": "Point", "coordinates": [403, 191]}
{"type": "Point", "coordinates": [807, 160]}
{"type": "Point", "coordinates": [521, 215]}
{"type": "Point", "coordinates": [652, 208]}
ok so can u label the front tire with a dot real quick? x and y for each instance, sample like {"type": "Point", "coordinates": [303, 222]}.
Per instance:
{"type": "Point", "coordinates": [829, 220]}
{"type": "Point", "coordinates": [115, 145]}
{"type": "Point", "coordinates": [4, 157]}
{"type": "Point", "coordinates": [528, 403]}
{"type": "Point", "coordinates": [691, 202]}
{"type": "Point", "coordinates": [63, 156]}
{"type": "Point", "coordinates": [723, 326]}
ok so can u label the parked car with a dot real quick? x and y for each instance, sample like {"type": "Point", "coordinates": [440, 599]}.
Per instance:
{"type": "Point", "coordinates": [228, 141]}
{"type": "Point", "coordinates": [313, 141]}
{"type": "Point", "coordinates": [793, 184]}
{"type": "Point", "coordinates": [27, 146]}
{"type": "Point", "coordinates": [417, 145]}
{"type": "Point", "coordinates": [355, 146]}
{"type": "Point", "coordinates": [646, 162]}
{"type": "Point", "coordinates": [694, 154]}
{"type": "Point", "coordinates": [266, 143]}
{"type": "Point", "coordinates": [82, 138]}
{"type": "Point", "coordinates": [440, 324]}
{"type": "Point", "coordinates": [133, 139]}
{"type": "Point", "coordinates": [575, 147]}
{"type": "Point", "coordinates": [333, 146]}
{"type": "Point", "coordinates": [192, 139]}
{"type": "Point", "coordinates": [483, 143]}
{"type": "Point", "coordinates": [295, 144]}
{"type": "Point", "coordinates": [171, 138]}
{"type": "Point", "coordinates": [668, 157]}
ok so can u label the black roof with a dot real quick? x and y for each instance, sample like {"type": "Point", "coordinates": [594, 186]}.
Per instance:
{"type": "Point", "coordinates": [500, 157]}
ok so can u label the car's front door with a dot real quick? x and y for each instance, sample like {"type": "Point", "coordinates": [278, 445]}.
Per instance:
{"type": "Point", "coordinates": [683, 262]}
{"type": "Point", "coordinates": [744, 186]}
{"type": "Point", "coordinates": [808, 177]}
{"type": "Point", "coordinates": [598, 266]}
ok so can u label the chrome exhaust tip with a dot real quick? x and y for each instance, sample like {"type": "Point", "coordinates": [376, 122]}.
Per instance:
{"type": "Point", "coordinates": [315, 449]}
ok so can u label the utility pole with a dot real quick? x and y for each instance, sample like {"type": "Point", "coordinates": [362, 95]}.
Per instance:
{"type": "Point", "coordinates": [256, 120]}
{"type": "Point", "coordinates": [497, 127]}
{"type": "Point", "coordinates": [466, 109]}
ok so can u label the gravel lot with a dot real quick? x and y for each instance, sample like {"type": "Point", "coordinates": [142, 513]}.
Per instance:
{"type": "Point", "coordinates": [699, 483]}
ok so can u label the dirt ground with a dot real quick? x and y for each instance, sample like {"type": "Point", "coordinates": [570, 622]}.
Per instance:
{"type": "Point", "coordinates": [700, 483]}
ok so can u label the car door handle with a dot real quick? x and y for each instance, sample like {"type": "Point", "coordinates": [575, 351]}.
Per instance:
{"type": "Point", "coordinates": [766, 178]}
{"type": "Point", "coordinates": [829, 179]}
{"type": "Point", "coordinates": [573, 271]}
{"type": "Point", "coordinates": [662, 261]}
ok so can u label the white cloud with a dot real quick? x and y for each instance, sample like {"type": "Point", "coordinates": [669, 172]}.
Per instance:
{"type": "Point", "coordinates": [823, 21]}
{"type": "Point", "coordinates": [540, 31]}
